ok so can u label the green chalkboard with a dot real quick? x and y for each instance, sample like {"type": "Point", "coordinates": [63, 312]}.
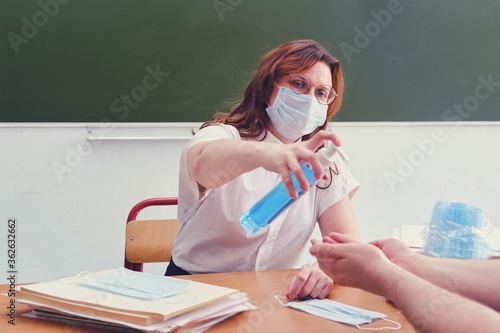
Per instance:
{"type": "Point", "coordinates": [171, 61]}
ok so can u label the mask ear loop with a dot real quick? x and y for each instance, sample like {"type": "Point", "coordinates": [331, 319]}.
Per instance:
{"type": "Point", "coordinates": [65, 280]}
{"type": "Point", "coordinates": [381, 328]}
{"type": "Point", "coordinates": [279, 300]}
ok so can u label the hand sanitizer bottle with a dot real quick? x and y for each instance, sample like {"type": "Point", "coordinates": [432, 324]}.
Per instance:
{"type": "Point", "coordinates": [264, 211]}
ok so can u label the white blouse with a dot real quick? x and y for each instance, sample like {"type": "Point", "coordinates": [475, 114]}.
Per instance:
{"type": "Point", "coordinates": [210, 238]}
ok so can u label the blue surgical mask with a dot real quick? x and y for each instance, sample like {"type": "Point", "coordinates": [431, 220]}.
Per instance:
{"type": "Point", "coordinates": [458, 230]}
{"type": "Point", "coordinates": [136, 284]}
{"type": "Point", "coordinates": [339, 312]}
{"type": "Point", "coordinates": [295, 115]}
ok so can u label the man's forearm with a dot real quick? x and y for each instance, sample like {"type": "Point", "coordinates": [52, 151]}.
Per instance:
{"type": "Point", "coordinates": [474, 279]}
{"type": "Point", "coordinates": [433, 309]}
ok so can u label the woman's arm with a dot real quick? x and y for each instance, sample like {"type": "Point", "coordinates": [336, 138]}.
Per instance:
{"type": "Point", "coordinates": [215, 163]}
{"type": "Point", "coordinates": [311, 280]}
{"type": "Point", "coordinates": [340, 218]}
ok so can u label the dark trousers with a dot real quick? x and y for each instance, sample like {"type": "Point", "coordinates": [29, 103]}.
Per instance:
{"type": "Point", "coordinates": [173, 269]}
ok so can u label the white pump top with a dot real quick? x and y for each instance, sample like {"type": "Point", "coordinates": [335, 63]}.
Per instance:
{"type": "Point", "coordinates": [326, 154]}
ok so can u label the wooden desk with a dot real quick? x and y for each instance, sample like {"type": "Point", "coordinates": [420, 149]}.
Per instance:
{"type": "Point", "coordinates": [261, 288]}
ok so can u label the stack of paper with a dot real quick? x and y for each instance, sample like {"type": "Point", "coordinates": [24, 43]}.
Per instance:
{"type": "Point", "coordinates": [192, 307]}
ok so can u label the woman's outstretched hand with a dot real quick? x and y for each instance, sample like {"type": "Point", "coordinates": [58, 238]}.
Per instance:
{"type": "Point", "coordinates": [285, 159]}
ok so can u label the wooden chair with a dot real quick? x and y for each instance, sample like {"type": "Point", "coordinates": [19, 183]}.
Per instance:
{"type": "Point", "coordinates": [149, 240]}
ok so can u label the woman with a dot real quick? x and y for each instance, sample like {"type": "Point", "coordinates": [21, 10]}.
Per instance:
{"type": "Point", "coordinates": [237, 158]}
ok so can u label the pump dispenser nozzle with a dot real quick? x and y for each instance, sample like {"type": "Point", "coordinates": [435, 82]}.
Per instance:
{"type": "Point", "coordinates": [326, 154]}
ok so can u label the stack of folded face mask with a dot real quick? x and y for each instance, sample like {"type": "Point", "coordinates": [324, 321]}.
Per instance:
{"type": "Point", "coordinates": [123, 299]}
{"type": "Point", "coordinates": [458, 230]}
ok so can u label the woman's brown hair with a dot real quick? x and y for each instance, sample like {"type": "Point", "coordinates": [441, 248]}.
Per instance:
{"type": "Point", "coordinates": [249, 114]}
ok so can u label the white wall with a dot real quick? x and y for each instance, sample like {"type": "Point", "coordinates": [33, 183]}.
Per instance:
{"type": "Point", "coordinates": [75, 221]}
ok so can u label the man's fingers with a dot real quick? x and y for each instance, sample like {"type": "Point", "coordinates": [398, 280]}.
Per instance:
{"type": "Point", "coordinates": [316, 242]}
{"type": "Point", "coordinates": [326, 251]}
{"type": "Point", "coordinates": [340, 238]}
{"type": "Point", "coordinates": [328, 240]}
{"type": "Point", "coordinates": [378, 243]}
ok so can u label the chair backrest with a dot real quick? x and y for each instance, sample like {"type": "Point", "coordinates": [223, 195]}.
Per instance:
{"type": "Point", "coordinates": [149, 240]}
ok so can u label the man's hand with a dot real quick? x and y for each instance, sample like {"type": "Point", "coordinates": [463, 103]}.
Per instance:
{"type": "Point", "coordinates": [395, 250]}
{"type": "Point", "coordinates": [353, 264]}
{"type": "Point", "coordinates": [338, 238]}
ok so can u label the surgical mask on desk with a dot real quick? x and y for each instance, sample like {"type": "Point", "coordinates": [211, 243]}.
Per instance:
{"type": "Point", "coordinates": [125, 282]}
{"type": "Point", "coordinates": [339, 312]}
{"type": "Point", "coordinates": [295, 115]}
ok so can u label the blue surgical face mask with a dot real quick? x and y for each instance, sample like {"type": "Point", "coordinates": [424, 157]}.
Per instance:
{"type": "Point", "coordinates": [339, 312]}
{"type": "Point", "coordinates": [295, 115]}
{"type": "Point", "coordinates": [458, 230]}
{"type": "Point", "coordinates": [136, 284]}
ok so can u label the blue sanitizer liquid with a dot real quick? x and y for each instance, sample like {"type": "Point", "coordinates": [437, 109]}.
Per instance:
{"type": "Point", "coordinates": [264, 211]}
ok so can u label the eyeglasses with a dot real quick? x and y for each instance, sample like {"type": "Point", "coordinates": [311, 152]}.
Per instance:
{"type": "Point", "coordinates": [301, 85]}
